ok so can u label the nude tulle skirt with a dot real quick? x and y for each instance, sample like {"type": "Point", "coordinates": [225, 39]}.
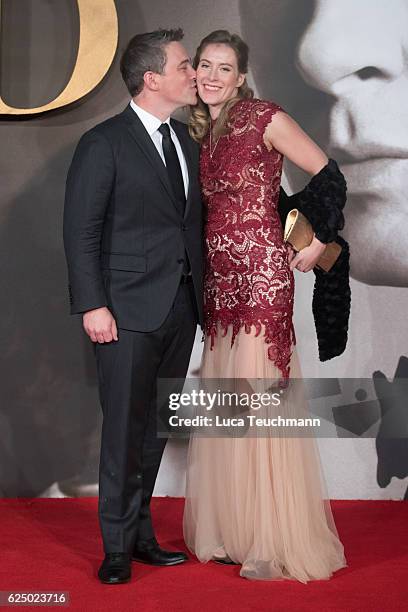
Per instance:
{"type": "Point", "coordinates": [259, 500]}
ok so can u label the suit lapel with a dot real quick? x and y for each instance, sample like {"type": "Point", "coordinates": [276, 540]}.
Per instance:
{"type": "Point", "coordinates": [145, 144]}
{"type": "Point", "coordinates": [183, 139]}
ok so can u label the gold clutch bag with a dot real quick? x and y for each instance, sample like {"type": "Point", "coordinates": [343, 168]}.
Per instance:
{"type": "Point", "coordinates": [299, 233]}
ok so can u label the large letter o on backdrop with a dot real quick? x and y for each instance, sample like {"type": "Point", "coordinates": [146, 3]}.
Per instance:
{"type": "Point", "coordinates": [98, 40]}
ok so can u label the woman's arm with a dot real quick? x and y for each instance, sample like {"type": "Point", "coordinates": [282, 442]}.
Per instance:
{"type": "Point", "coordinates": [287, 137]}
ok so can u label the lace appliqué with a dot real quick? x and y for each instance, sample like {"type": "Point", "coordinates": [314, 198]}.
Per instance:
{"type": "Point", "coordinates": [247, 281]}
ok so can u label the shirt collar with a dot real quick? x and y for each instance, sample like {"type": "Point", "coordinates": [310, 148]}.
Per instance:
{"type": "Point", "coordinates": [150, 122]}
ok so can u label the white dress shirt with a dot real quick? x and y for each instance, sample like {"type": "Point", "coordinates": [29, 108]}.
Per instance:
{"type": "Point", "coordinates": [152, 124]}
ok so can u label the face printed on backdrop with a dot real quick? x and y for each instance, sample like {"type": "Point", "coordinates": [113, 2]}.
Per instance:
{"type": "Point", "coordinates": [341, 69]}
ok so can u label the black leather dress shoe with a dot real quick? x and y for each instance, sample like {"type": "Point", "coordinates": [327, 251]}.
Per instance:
{"type": "Point", "coordinates": [115, 569]}
{"type": "Point", "coordinates": [151, 553]}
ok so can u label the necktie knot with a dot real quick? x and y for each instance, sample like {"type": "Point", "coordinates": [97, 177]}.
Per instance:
{"type": "Point", "coordinates": [164, 130]}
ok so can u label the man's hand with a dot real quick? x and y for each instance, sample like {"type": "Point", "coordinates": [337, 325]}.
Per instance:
{"type": "Point", "coordinates": [100, 325]}
{"type": "Point", "coordinates": [308, 257]}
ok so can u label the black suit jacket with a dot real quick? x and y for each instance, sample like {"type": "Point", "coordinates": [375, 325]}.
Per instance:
{"type": "Point", "coordinates": [125, 239]}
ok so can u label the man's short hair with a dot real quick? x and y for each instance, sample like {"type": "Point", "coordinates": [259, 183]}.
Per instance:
{"type": "Point", "coordinates": [146, 52]}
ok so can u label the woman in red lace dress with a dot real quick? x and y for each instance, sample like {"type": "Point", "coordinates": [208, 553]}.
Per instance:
{"type": "Point", "coordinates": [257, 501]}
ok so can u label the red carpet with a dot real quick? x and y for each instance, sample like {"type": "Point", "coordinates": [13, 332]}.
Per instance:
{"type": "Point", "coordinates": [53, 544]}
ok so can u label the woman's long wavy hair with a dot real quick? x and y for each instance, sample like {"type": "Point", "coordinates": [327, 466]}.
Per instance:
{"type": "Point", "coordinates": [200, 120]}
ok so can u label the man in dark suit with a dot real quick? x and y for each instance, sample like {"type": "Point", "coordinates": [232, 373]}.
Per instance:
{"type": "Point", "coordinates": [132, 234]}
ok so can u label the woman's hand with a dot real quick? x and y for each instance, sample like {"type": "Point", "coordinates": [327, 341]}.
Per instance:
{"type": "Point", "coordinates": [291, 252]}
{"type": "Point", "coordinates": [307, 258]}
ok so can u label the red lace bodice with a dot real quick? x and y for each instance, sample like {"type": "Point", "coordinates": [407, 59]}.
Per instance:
{"type": "Point", "coordinates": [247, 280]}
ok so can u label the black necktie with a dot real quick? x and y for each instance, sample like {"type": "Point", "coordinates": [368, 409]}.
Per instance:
{"type": "Point", "coordinates": [173, 166]}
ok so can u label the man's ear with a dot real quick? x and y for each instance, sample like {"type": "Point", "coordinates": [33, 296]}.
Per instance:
{"type": "Point", "coordinates": [151, 80]}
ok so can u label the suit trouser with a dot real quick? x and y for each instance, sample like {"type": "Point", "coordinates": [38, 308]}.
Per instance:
{"type": "Point", "coordinates": [128, 370]}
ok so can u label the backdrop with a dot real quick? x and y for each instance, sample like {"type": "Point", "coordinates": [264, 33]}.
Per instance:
{"type": "Point", "coordinates": [340, 70]}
